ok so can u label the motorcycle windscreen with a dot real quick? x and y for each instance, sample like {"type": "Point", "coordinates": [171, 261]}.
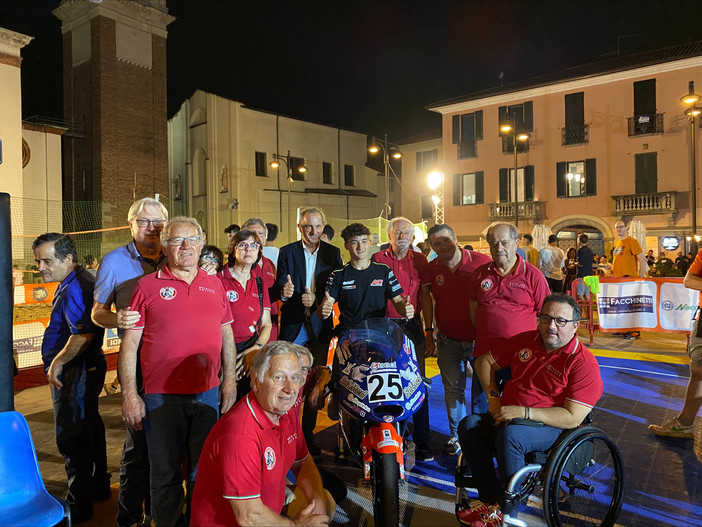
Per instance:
{"type": "Point", "coordinates": [380, 379]}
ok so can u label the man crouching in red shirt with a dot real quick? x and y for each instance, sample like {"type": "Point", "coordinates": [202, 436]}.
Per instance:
{"type": "Point", "coordinates": [555, 380]}
{"type": "Point", "coordinates": [241, 475]}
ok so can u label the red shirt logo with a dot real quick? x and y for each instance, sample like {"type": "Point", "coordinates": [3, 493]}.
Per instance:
{"type": "Point", "coordinates": [269, 456]}
{"type": "Point", "coordinates": [377, 282]}
{"type": "Point", "coordinates": [232, 296]}
{"type": "Point", "coordinates": [525, 355]}
{"type": "Point", "coordinates": [486, 284]}
{"type": "Point", "coordinates": [167, 293]}
{"type": "Point", "coordinates": [440, 279]}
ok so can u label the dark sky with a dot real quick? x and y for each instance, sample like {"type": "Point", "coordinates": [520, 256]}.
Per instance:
{"type": "Point", "coordinates": [365, 66]}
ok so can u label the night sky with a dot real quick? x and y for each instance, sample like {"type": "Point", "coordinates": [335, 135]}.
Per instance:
{"type": "Point", "coordinates": [371, 67]}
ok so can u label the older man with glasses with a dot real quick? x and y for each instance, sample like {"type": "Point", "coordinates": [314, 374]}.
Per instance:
{"type": "Point", "coordinates": [184, 328]}
{"type": "Point", "coordinates": [116, 277]}
{"type": "Point", "coordinates": [555, 383]}
{"type": "Point", "coordinates": [505, 296]}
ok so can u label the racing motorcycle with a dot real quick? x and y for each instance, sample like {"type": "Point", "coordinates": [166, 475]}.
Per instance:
{"type": "Point", "coordinates": [379, 388]}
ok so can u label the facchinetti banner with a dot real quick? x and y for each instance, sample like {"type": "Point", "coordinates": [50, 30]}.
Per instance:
{"type": "Point", "coordinates": [653, 304]}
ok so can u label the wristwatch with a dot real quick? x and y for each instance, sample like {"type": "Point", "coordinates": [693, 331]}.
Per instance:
{"type": "Point", "coordinates": [493, 394]}
{"type": "Point", "coordinates": [429, 330]}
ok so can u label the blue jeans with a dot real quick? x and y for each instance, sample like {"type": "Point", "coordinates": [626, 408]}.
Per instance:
{"type": "Point", "coordinates": [133, 500]}
{"type": "Point", "coordinates": [453, 357]}
{"type": "Point", "coordinates": [482, 441]}
{"type": "Point", "coordinates": [176, 427]}
{"type": "Point", "coordinates": [80, 431]}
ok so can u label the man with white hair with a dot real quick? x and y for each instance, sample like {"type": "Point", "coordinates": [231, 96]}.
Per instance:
{"type": "Point", "coordinates": [408, 267]}
{"type": "Point", "coordinates": [116, 277]}
{"type": "Point", "coordinates": [186, 342]}
{"type": "Point", "coordinates": [250, 450]}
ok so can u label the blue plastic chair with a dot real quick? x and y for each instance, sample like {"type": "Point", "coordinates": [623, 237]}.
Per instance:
{"type": "Point", "coordinates": [24, 501]}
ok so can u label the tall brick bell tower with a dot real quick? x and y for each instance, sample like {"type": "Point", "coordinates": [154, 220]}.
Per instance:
{"type": "Point", "coordinates": [114, 82]}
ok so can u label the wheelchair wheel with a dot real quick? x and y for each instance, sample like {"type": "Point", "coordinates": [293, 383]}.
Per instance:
{"type": "Point", "coordinates": [584, 481]}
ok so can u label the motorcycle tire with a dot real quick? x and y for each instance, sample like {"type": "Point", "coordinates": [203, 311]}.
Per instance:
{"type": "Point", "coordinates": [386, 490]}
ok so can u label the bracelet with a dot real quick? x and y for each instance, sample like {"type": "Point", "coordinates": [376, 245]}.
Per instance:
{"type": "Point", "coordinates": [429, 330]}
{"type": "Point", "coordinates": [527, 413]}
{"type": "Point", "coordinates": [258, 344]}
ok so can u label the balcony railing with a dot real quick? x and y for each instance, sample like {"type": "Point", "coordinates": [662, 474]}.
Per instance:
{"type": "Point", "coordinates": [646, 124]}
{"type": "Point", "coordinates": [639, 204]}
{"type": "Point", "coordinates": [575, 134]}
{"type": "Point", "coordinates": [528, 210]}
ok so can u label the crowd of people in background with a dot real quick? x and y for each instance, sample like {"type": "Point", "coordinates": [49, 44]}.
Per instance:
{"type": "Point", "coordinates": [244, 333]}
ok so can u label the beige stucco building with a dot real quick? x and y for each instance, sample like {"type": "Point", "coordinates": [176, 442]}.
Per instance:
{"type": "Point", "coordinates": [421, 155]}
{"type": "Point", "coordinates": [219, 153]}
{"type": "Point", "coordinates": [605, 141]}
{"type": "Point", "coordinates": [30, 171]}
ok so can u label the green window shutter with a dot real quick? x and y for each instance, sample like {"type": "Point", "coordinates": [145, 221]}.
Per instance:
{"type": "Point", "coordinates": [456, 190]}
{"type": "Point", "coordinates": [504, 185]}
{"type": "Point", "coordinates": [501, 118]}
{"type": "Point", "coordinates": [529, 183]}
{"type": "Point", "coordinates": [479, 187]}
{"type": "Point", "coordinates": [478, 125]}
{"type": "Point", "coordinates": [455, 129]}
{"type": "Point", "coordinates": [646, 173]}
{"type": "Point", "coordinates": [590, 177]}
{"type": "Point", "coordinates": [528, 116]}
{"type": "Point", "coordinates": [561, 180]}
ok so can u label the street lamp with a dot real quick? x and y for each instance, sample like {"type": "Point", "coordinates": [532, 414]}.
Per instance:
{"type": "Point", "coordinates": [690, 100]}
{"type": "Point", "coordinates": [389, 150]}
{"type": "Point", "coordinates": [435, 180]}
{"type": "Point", "coordinates": [510, 127]}
{"type": "Point", "coordinates": [287, 159]}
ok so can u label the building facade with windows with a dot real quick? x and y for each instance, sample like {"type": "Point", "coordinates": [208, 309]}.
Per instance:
{"type": "Point", "coordinates": [601, 142]}
{"type": "Point", "coordinates": [219, 154]}
{"type": "Point", "coordinates": [421, 155]}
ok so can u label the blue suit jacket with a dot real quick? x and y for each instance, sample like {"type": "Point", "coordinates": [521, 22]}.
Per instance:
{"type": "Point", "coordinates": [291, 261]}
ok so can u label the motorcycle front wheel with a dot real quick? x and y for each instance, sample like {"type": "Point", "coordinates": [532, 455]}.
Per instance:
{"type": "Point", "coordinates": [386, 490]}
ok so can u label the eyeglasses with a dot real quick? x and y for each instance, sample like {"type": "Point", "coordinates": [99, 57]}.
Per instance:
{"type": "Point", "coordinates": [246, 246]}
{"type": "Point", "coordinates": [210, 258]}
{"type": "Point", "coordinates": [560, 322]}
{"type": "Point", "coordinates": [191, 240]}
{"type": "Point", "coordinates": [143, 222]}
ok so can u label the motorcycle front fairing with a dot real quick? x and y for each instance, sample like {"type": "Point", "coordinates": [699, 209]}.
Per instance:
{"type": "Point", "coordinates": [380, 379]}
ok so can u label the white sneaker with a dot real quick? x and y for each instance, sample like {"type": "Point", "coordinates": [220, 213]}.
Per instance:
{"type": "Point", "coordinates": [672, 428]}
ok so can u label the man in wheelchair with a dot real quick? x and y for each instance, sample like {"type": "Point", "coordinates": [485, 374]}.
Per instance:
{"type": "Point", "coordinates": [555, 383]}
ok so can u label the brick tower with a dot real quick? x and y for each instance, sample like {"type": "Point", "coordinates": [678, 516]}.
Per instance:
{"type": "Point", "coordinates": [114, 84]}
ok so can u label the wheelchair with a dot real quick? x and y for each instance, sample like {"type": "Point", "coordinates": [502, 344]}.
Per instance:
{"type": "Point", "coordinates": [580, 480]}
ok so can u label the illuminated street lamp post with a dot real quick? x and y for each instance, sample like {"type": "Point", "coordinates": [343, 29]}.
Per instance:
{"type": "Point", "coordinates": [436, 184]}
{"type": "Point", "coordinates": [690, 100]}
{"type": "Point", "coordinates": [389, 149]}
{"type": "Point", "coordinates": [287, 159]}
{"type": "Point", "coordinates": [506, 128]}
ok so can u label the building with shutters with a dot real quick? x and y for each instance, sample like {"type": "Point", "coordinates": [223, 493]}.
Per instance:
{"type": "Point", "coordinates": [605, 141]}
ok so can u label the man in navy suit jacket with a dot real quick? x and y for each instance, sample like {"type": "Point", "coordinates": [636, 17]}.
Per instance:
{"type": "Point", "coordinates": [303, 269]}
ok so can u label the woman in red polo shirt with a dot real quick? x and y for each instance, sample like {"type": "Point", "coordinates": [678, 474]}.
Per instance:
{"type": "Point", "coordinates": [248, 300]}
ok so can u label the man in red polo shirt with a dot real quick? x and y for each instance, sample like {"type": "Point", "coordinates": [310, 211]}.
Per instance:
{"type": "Point", "coordinates": [186, 339]}
{"type": "Point", "coordinates": [505, 295]}
{"type": "Point", "coordinates": [408, 266]}
{"type": "Point", "coordinates": [241, 478]}
{"type": "Point", "coordinates": [555, 381]}
{"type": "Point", "coordinates": [447, 280]}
